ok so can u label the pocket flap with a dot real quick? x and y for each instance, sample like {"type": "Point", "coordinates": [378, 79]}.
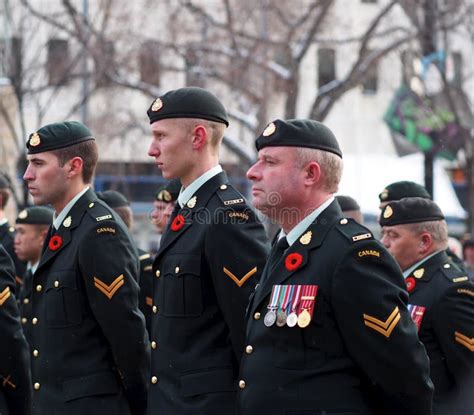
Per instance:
{"type": "Point", "coordinates": [89, 385]}
{"type": "Point", "coordinates": [208, 381]}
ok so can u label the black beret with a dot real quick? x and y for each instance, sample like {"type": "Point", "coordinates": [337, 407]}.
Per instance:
{"type": "Point", "coordinates": [169, 192]}
{"type": "Point", "coordinates": [347, 203]}
{"type": "Point", "coordinates": [410, 210]}
{"type": "Point", "coordinates": [298, 133]}
{"type": "Point", "coordinates": [58, 135]}
{"type": "Point", "coordinates": [113, 198]}
{"type": "Point", "coordinates": [189, 102]}
{"type": "Point", "coordinates": [399, 190]}
{"type": "Point", "coordinates": [35, 215]}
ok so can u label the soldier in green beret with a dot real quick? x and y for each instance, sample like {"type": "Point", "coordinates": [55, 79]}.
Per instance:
{"type": "Point", "coordinates": [89, 342]}
{"type": "Point", "coordinates": [210, 259]}
{"type": "Point", "coordinates": [15, 377]}
{"type": "Point", "coordinates": [163, 204]}
{"type": "Point", "coordinates": [400, 190]}
{"type": "Point", "coordinates": [31, 228]}
{"type": "Point", "coordinates": [328, 327]}
{"type": "Point", "coordinates": [441, 298]}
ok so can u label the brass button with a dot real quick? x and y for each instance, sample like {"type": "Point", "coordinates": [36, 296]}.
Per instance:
{"type": "Point", "coordinates": [223, 186]}
{"type": "Point", "coordinates": [24, 320]}
{"type": "Point", "coordinates": [26, 300]}
{"type": "Point", "coordinates": [257, 316]}
{"type": "Point", "coordinates": [36, 386]}
{"type": "Point", "coordinates": [155, 309]}
{"type": "Point", "coordinates": [343, 221]}
{"type": "Point", "coordinates": [35, 353]}
{"type": "Point", "coordinates": [91, 204]}
{"type": "Point", "coordinates": [249, 349]}
{"type": "Point", "coordinates": [35, 320]}
{"type": "Point", "coordinates": [176, 270]}
{"type": "Point", "coordinates": [153, 345]}
{"type": "Point", "coordinates": [154, 380]}
{"type": "Point", "coordinates": [157, 273]}
{"type": "Point", "coordinates": [56, 283]}
{"type": "Point", "coordinates": [242, 384]}
{"type": "Point", "coordinates": [39, 288]}
{"type": "Point", "coordinates": [446, 266]}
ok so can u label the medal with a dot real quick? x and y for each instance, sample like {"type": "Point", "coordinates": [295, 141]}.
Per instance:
{"type": "Point", "coordinates": [292, 318]}
{"type": "Point", "coordinates": [308, 298]}
{"type": "Point", "coordinates": [281, 318]}
{"type": "Point", "coordinates": [416, 312]}
{"type": "Point", "coordinates": [282, 304]}
{"type": "Point", "coordinates": [270, 317]}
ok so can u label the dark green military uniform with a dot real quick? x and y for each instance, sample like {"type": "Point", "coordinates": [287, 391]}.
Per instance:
{"type": "Point", "coordinates": [15, 378]}
{"type": "Point", "coordinates": [204, 272]}
{"type": "Point", "coordinates": [330, 365]}
{"type": "Point", "coordinates": [7, 235]}
{"type": "Point", "coordinates": [447, 331]}
{"type": "Point", "coordinates": [146, 286]}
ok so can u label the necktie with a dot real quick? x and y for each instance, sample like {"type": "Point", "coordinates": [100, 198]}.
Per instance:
{"type": "Point", "coordinates": [277, 251]}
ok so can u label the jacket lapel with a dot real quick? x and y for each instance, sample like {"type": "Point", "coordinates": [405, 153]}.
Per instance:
{"type": "Point", "coordinates": [424, 273]}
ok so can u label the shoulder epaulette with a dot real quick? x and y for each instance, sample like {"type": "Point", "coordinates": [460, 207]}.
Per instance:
{"type": "Point", "coordinates": [229, 196]}
{"type": "Point", "coordinates": [353, 231]}
{"type": "Point", "coordinates": [99, 211]}
{"type": "Point", "coordinates": [453, 273]}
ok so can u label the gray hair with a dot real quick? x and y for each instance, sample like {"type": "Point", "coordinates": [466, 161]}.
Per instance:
{"type": "Point", "coordinates": [438, 229]}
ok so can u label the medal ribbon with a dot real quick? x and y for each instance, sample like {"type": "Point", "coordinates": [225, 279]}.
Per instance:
{"type": "Point", "coordinates": [296, 298]}
{"type": "Point", "coordinates": [282, 296]}
{"type": "Point", "coordinates": [288, 295]}
{"type": "Point", "coordinates": [308, 297]}
{"type": "Point", "coordinates": [275, 297]}
{"type": "Point", "coordinates": [416, 312]}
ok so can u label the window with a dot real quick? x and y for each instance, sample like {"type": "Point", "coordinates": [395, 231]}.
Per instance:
{"type": "Point", "coordinates": [370, 83]}
{"type": "Point", "coordinates": [10, 58]}
{"type": "Point", "coordinates": [149, 62]}
{"type": "Point", "coordinates": [105, 66]}
{"type": "Point", "coordinates": [194, 76]}
{"type": "Point", "coordinates": [58, 62]}
{"type": "Point", "coordinates": [326, 66]}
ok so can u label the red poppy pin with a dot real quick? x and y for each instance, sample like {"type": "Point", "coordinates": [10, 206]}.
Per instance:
{"type": "Point", "coordinates": [178, 223]}
{"type": "Point", "coordinates": [410, 282]}
{"type": "Point", "coordinates": [55, 243]}
{"type": "Point", "coordinates": [293, 261]}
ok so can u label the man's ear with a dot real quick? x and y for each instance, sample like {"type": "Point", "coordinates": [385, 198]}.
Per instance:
{"type": "Point", "coordinates": [199, 137]}
{"type": "Point", "coordinates": [75, 166]}
{"type": "Point", "coordinates": [426, 242]}
{"type": "Point", "coordinates": [312, 173]}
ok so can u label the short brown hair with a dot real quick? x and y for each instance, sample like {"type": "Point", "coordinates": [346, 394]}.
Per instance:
{"type": "Point", "coordinates": [87, 151]}
{"type": "Point", "coordinates": [4, 196]}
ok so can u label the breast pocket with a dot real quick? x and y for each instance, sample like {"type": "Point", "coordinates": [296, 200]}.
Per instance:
{"type": "Point", "coordinates": [63, 305]}
{"type": "Point", "coordinates": [182, 287]}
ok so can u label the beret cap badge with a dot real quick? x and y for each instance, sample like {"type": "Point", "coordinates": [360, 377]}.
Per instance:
{"type": "Point", "coordinates": [157, 105]}
{"type": "Point", "coordinates": [387, 212]}
{"type": "Point", "coordinates": [23, 214]}
{"type": "Point", "coordinates": [35, 140]}
{"type": "Point", "coordinates": [384, 194]}
{"type": "Point", "coordinates": [269, 129]}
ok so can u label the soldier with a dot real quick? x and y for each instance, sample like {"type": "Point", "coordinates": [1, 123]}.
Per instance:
{"type": "Point", "coordinates": [328, 329]}
{"type": "Point", "coordinates": [209, 261]}
{"type": "Point", "coordinates": [32, 226]}
{"type": "Point", "coordinates": [15, 378]}
{"type": "Point", "coordinates": [400, 190]}
{"type": "Point", "coordinates": [118, 202]}
{"type": "Point", "coordinates": [441, 298]}
{"type": "Point", "coordinates": [165, 200]}
{"type": "Point", "coordinates": [350, 208]}
{"type": "Point", "coordinates": [89, 342]}
{"type": "Point", "coordinates": [7, 234]}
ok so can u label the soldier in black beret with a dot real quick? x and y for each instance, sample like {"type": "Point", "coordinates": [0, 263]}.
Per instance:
{"type": "Point", "coordinates": [7, 234]}
{"type": "Point", "coordinates": [350, 208]}
{"type": "Point", "coordinates": [31, 227]}
{"type": "Point", "coordinates": [15, 377]}
{"type": "Point", "coordinates": [163, 204]}
{"type": "Point", "coordinates": [328, 327]}
{"type": "Point", "coordinates": [400, 190]}
{"type": "Point", "coordinates": [89, 342]}
{"type": "Point", "coordinates": [120, 204]}
{"type": "Point", "coordinates": [210, 259]}
{"type": "Point", "coordinates": [441, 298]}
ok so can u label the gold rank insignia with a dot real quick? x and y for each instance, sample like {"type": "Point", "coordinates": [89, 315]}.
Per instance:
{"type": "Point", "coordinates": [109, 290]}
{"type": "Point", "coordinates": [306, 238]}
{"type": "Point", "coordinates": [383, 327]}
{"type": "Point", "coordinates": [387, 212]}
{"type": "Point", "coordinates": [67, 222]}
{"type": "Point", "coordinates": [464, 340]}
{"type": "Point", "coordinates": [269, 129]}
{"type": "Point", "coordinates": [4, 295]}
{"type": "Point", "coordinates": [23, 214]}
{"type": "Point", "coordinates": [419, 273]}
{"type": "Point", "coordinates": [192, 202]}
{"type": "Point", "coordinates": [157, 105]}
{"type": "Point", "coordinates": [242, 280]}
{"type": "Point", "coordinates": [35, 140]}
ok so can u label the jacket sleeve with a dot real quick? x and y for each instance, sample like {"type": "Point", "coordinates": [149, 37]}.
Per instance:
{"type": "Point", "coordinates": [236, 250]}
{"type": "Point", "coordinates": [109, 265]}
{"type": "Point", "coordinates": [15, 376]}
{"type": "Point", "coordinates": [370, 304]}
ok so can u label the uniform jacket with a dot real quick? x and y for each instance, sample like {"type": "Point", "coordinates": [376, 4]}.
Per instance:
{"type": "Point", "coordinates": [146, 286]}
{"type": "Point", "coordinates": [204, 273]}
{"type": "Point", "coordinates": [15, 377]}
{"type": "Point", "coordinates": [25, 302]}
{"type": "Point", "coordinates": [360, 345]}
{"type": "Point", "coordinates": [89, 345]}
{"type": "Point", "coordinates": [447, 331]}
{"type": "Point", "coordinates": [7, 235]}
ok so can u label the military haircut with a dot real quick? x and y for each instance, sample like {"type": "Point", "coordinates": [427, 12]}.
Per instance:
{"type": "Point", "coordinates": [87, 151]}
{"type": "Point", "coordinates": [438, 229]}
{"type": "Point", "coordinates": [215, 129]}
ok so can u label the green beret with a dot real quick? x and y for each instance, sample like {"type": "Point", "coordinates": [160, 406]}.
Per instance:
{"type": "Point", "coordinates": [58, 135]}
{"type": "Point", "coordinates": [113, 198]}
{"type": "Point", "coordinates": [35, 215]}
{"type": "Point", "coordinates": [189, 102]}
{"type": "Point", "coordinates": [298, 133]}
{"type": "Point", "coordinates": [399, 190]}
{"type": "Point", "coordinates": [169, 192]}
{"type": "Point", "coordinates": [410, 210]}
{"type": "Point", "coordinates": [347, 203]}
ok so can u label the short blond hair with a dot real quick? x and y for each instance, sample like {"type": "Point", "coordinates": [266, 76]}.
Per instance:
{"type": "Point", "coordinates": [215, 129]}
